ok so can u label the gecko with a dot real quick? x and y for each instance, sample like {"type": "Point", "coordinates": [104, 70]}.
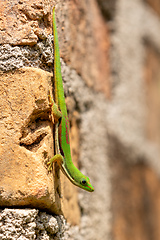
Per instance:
{"type": "Point", "coordinates": [61, 134]}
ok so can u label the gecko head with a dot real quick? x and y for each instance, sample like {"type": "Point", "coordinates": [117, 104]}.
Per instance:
{"type": "Point", "coordinates": [85, 184]}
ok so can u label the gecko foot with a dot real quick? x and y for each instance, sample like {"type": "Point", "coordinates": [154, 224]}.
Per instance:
{"type": "Point", "coordinates": [50, 166]}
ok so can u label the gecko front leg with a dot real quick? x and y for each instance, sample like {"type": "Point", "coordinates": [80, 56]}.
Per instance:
{"type": "Point", "coordinates": [55, 112]}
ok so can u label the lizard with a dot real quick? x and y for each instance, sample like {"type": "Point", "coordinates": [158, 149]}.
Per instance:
{"type": "Point", "coordinates": [59, 114]}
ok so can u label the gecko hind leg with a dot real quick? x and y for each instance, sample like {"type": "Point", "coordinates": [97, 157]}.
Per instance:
{"type": "Point", "coordinates": [57, 158]}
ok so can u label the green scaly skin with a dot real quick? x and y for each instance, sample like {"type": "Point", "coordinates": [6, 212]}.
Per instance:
{"type": "Point", "coordinates": [59, 112]}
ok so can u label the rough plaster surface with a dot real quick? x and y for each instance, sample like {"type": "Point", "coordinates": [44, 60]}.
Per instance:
{"type": "Point", "coordinates": [134, 22]}
{"type": "Point", "coordinates": [41, 55]}
{"type": "Point", "coordinates": [23, 224]}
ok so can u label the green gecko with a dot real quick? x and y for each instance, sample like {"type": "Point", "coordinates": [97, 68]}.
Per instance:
{"type": "Point", "coordinates": [59, 113]}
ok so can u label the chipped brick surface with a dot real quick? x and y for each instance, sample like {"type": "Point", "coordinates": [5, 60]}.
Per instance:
{"type": "Point", "coordinates": [26, 140]}
{"type": "Point", "coordinates": [20, 21]}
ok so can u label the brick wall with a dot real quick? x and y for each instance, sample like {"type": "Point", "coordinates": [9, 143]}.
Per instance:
{"type": "Point", "coordinates": [110, 56]}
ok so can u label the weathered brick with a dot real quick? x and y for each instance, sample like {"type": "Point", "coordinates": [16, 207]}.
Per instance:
{"type": "Point", "coordinates": [20, 21]}
{"type": "Point", "coordinates": [135, 198]}
{"type": "Point", "coordinates": [84, 42]}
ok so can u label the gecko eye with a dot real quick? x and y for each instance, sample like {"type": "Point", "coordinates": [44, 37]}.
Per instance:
{"type": "Point", "coordinates": [84, 182]}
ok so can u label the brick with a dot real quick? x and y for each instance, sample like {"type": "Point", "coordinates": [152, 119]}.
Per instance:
{"type": "Point", "coordinates": [26, 145]}
{"type": "Point", "coordinates": [152, 82]}
{"type": "Point", "coordinates": [135, 198]}
{"type": "Point", "coordinates": [20, 21]}
{"type": "Point", "coordinates": [84, 42]}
